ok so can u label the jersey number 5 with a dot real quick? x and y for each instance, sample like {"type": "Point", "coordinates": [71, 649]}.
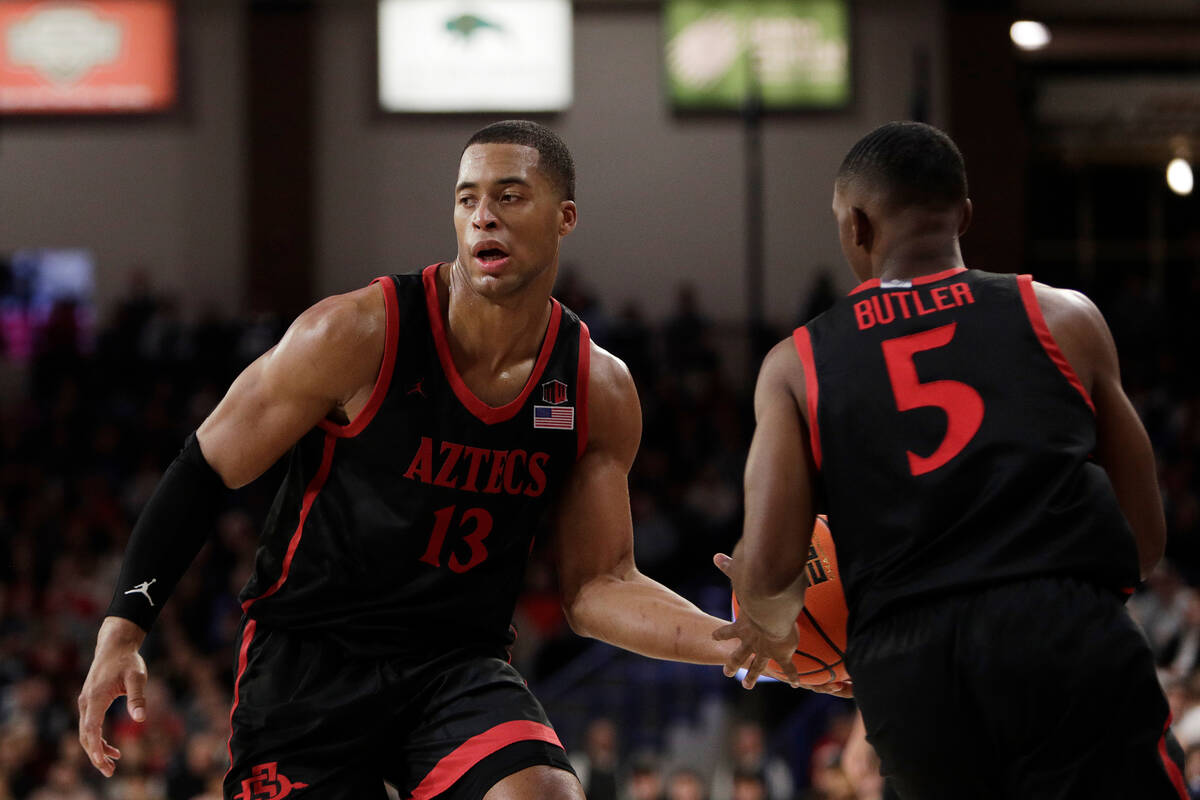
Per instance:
{"type": "Point", "coordinates": [962, 404]}
{"type": "Point", "coordinates": [481, 522]}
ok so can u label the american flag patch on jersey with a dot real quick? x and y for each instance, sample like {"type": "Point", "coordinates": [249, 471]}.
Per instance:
{"type": "Point", "coordinates": [556, 417]}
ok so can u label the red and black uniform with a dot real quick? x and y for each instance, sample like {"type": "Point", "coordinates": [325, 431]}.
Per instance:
{"type": "Point", "coordinates": [378, 615]}
{"type": "Point", "coordinates": [982, 549]}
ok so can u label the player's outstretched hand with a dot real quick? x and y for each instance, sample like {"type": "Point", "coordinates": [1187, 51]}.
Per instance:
{"type": "Point", "coordinates": [117, 669]}
{"type": "Point", "coordinates": [757, 647]}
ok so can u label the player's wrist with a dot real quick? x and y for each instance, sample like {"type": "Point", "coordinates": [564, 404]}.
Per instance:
{"type": "Point", "coordinates": [121, 633]}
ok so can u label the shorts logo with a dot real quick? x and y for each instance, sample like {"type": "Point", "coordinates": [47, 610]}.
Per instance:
{"type": "Point", "coordinates": [267, 783]}
{"type": "Point", "coordinates": [554, 392]}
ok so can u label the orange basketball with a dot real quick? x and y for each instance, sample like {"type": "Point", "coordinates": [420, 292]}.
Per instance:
{"type": "Point", "coordinates": [820, 654]}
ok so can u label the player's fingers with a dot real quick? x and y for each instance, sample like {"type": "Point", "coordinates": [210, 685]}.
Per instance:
{"type": "Point", "coordinates": [89, 732]}
{"type": "Point", "coordinates": [91, 717]}
{"type": "Point", "coordinates": [836, 688]}
{"type": "Point", "coordinates": [754, 671]}
{"type": "Point", "coordinates": [723, 562]}
{"type": "Point", "coordinates": [135, 690]}
{"type": "Point", "coordinates": [790, 673]}
{"type": "Point", "coordinates": [737, 659]}
{"type": "Point", "coordinates": [726, 632]}
{"type": "Point", "coordinates": [110, 751]}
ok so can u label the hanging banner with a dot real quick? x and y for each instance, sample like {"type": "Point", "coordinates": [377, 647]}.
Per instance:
{"type": "Point", "coordinates": [786, 54]}
{"type": "Point", "coordinates": [99, 57]}
{"type": "Point", "coordinates": [474, 55]}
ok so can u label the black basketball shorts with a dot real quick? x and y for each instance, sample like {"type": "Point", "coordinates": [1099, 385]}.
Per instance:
{"type": "Point", "coordinates": [309, 721]}
{"type": "Point", "coordinates": [1043, 689]}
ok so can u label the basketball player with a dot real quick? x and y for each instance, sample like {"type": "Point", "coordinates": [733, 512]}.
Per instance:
{"type": "Point", "coordinates": [992, 494]}
{"type": "Point", "coordinates": [428, 422]}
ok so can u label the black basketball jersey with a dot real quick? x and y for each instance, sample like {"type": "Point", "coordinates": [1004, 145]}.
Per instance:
{"type": "Point", "coordinates": [406, 532]}
{"type": "Point", "coordinates": [954, 443]}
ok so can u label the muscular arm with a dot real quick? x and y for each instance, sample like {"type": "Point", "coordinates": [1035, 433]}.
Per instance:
{"type": "Point", "coordinates": [604, 594]}
{"type": "Point", "coordinates": [1122, 446]}
{"type": "Point", "coordinates": [328, 359]}
{"type": "Point", "coordinates": [768, 563]}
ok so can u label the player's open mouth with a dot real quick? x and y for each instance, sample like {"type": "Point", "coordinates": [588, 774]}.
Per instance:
{"type": "Point", "coordinates": [491, 254]}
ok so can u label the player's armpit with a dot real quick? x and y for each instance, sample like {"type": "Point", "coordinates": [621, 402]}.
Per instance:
{"type": "Point", "coordinates": [329, 358]}
{"type": "Point", "coordinates": [604, 595]}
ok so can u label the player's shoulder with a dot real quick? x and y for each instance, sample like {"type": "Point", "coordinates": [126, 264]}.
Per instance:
{"type": "Point", "coordinates": [609, 379]}
{"type": "Point", "coordinates": [1067, 307]}
{"type": "Point", "coordinates": [782, 371]}
{"type": "Point", "coordinates": [340, 333]}
{"type": "Point", "coordinates": [345, 318]}
{"type": "Point", "coordinates": [613, 410]}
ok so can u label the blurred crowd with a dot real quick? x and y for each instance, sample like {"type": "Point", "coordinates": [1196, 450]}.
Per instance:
{"type": "Point", "coordinates": [89, 422]}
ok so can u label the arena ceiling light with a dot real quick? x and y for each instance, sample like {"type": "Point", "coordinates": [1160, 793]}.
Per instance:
{"type": "Point", "coordinates": [1029, 35]}
{"type": "Point", "coordinates": [1179, 176]}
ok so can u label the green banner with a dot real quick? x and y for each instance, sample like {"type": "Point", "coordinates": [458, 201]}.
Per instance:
{"type": "Point", "coordinates": [795, 54]}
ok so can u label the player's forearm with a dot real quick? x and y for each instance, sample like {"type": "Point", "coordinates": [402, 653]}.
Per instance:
{"type": "Point", "coordinates": [774, 612]}
{"type": "Point", "coordinates": [169, 533]}
{"type": "Point", "coordinates": [1124, 450]}
{"type": "Point", "coordinates": [1138, 497]}
{"type": "Point", "coordinates": [641, 615]}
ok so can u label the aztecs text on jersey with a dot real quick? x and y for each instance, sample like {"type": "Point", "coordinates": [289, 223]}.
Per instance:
{"type": "Point", "coordinates": [954, 443]}
{"type": "Point", "coordinates": [406, 532]}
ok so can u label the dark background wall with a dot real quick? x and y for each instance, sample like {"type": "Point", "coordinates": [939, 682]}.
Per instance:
{"type": "Point", "coordinates": [661, 196]}
{"type": "Point", "coordinates": [164, 194]}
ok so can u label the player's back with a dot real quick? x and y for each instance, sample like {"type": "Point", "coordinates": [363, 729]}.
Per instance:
{"type": "Point", "coordinates": [954, 443]}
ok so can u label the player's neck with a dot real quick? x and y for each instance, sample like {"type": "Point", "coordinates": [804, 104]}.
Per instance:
{"type": "Point", "coordinates": [914, 256]}
{"type": "Point", "coordinates": [494, 333]}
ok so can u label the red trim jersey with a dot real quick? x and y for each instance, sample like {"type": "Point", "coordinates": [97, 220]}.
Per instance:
{"type": "Point", "coordinates": [954, 443]}
{"type": "Point", "coordinates": [406, 532]}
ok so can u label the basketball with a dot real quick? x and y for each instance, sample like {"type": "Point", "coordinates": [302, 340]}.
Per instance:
{"type": "Point", "coordinates": [820, 655]}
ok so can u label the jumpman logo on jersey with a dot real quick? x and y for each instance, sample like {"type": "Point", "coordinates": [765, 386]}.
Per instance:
{"type": "Point", "coordinates": [143, 588]}
{"type": "Point", "coordinates": [419, 388]}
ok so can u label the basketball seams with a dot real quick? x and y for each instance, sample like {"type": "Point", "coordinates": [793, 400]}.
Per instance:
{"type": "Point", "coordinates": [821, 632]}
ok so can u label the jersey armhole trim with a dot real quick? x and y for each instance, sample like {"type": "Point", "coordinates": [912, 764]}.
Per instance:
{"type": "Point", "coordinates": [582, 381]}
{"type": "Point", "coordinates": [459, 761]}
{"type": "Point", "coordinates": [803, 342]}
{"type": "Point", "coordinates": [1034, 311]}
{"type": "Point", "coordinates": [310, 496]}
{"type": "Point", "coordinates": [384, 380]}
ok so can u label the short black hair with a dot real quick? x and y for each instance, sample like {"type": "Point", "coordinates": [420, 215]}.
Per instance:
{"type": "Point", "coordinates": [554, 159]}
{"type": "Point", "coordinates": [912, 163]}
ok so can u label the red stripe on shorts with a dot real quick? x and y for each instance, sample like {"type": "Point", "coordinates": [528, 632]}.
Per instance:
{"type": "Point", "coordinates": [1170, 766]}
{"type": "Point", "coordinates": [456, 764]}
{"type": "Point", "coordinates": [243, 653]}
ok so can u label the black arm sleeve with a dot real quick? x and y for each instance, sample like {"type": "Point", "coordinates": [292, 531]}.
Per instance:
{"type": "Point", "coordinates": [168, 535]}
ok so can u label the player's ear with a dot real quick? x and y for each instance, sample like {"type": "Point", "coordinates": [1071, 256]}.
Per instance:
{"type": "Point", "coordinates": [569, 215]}
{"type": "Point", "coordinates": [861, 228]}
{"type": "Point", "coordinates": [968, 212]}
